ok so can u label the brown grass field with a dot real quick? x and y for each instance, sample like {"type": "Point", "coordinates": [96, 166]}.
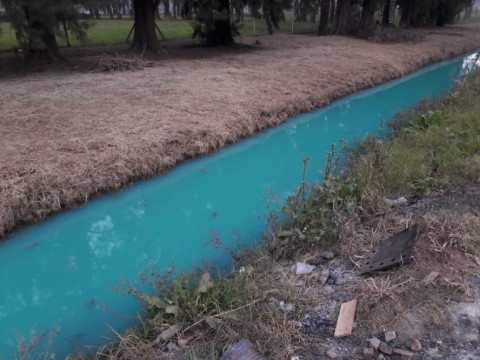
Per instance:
{"type": "Point", "coordinates": [67, 136]}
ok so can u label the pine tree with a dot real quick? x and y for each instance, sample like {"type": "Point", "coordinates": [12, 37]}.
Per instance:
{"type": "Point", "coordinates": [37, 22]}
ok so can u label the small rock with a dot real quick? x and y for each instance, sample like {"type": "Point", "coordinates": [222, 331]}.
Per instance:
{"type": "Point", "coordinates": [171, 347]}
{"type": "Point", "coordinates": [400, 201]}
{"type": "Point", "coordinates": [327, 255]}
{"type": "Point", "coordinates": [416, 345]}
{"type": "Point", "coordinates": [170, 332]}
{"type": "Point", "coordinates": [381, 357]}
{"type": "Point", "coordinates": [368, 352]}
{"type": "Point", "coordinates": [390, 335]}
{"type": "Point", "coordinates": [242, 349]}
{"type": "Point", "coordinates": [286, 306]}
{"type": "Point", "coordinates": [324, 276]}
{"type": "Point", "coordinates": [302, 268]}
{"type": "Point", "coordinates": [402, 352]}
{"type": "Point", "coordinates": [332, 354]}
{"type": "Point", "coordinates": [374, 343]}
{"type": "Point", "coordinates": [388, 202]}
{"type": "Point", "coordinates": [385, 348]}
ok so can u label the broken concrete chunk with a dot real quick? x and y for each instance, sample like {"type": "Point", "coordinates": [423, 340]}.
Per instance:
{"type": "Point", "coordinates": [302, 268]}
{"type": "Point", "coordinates": [403, 352]}
{"type": "Point", "coordinates": [368, 352]}
{"type": "Point", "coordinates": [385, 348]}
{"type": "Point", "coordinates": [331, 354]}
{"type": "Point", "coordinates": [416, 345]}
{"type": "Point", "coordinates": [390, 335]}
{"type": "Point", "coordinates": [374, 343]}
{"type": "Point", "coordinates": [242, 350]}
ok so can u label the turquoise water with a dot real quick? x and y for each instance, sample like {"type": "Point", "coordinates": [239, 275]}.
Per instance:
{"type": "Point", "coordinates": [63, 272]}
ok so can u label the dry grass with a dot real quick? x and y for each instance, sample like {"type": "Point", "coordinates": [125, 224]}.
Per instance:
{"type": "Point", "coordinates": [68, 137]}
{"type": "Point", "coordinates": [448, 244]}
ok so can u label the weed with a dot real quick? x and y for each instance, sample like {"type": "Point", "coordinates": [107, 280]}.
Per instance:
{"type": "Point", "coordinates": [314, 216]}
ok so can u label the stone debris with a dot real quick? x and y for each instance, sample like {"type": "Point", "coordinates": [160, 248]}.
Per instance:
{"type": "Point", "coordinates": [368, 352]}
{"type": "Point", "coordinates": [170, 347]}
{"type": "Point", "coordinates": [170, 332]}
{"type": "Point", "coordinates": [374, 343]}
{"type": "Point", "coordinates": [416, 346]}
{"type": "Point", "coordinates": [327, 255]}
{"type": "Point", "coordinates": [324, 276]}
{"type": "Point", "coordinates": [302, 268]}
{"type": "Point", "coordinates": [331, 354]}
{"type": "Point", "coordinates": [390, 335]}
{"type": "Point", "coordinates": [401, 201]}
{"type": "Point", "coordinates": [385, 348]}
{"type": "Point", "coordinates": [286, 306]}
{"type": "Point", "coordinates": [403, 352]}
{"type": "Point", "coordinates": [242, 350]}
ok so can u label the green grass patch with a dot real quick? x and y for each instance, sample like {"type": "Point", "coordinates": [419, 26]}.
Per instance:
{"type": "Point", "coordinates": [115, 31]}
{"type": "Point", "coordinates": [430, 149]}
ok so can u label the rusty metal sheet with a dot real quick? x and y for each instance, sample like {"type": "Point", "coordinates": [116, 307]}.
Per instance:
{"type": "Point", "coordinates": [395, 250]}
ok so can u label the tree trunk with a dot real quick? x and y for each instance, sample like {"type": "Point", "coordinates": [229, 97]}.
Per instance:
{"type": "Point", "coordinates": [324, 17]}
{"type": "Point", "coordinates": [145, 37]}
{"type": "Point", "coordinates": [332, 12]}
{"type": "Point", "coordinates": [166, 6]}
{"type": "Point", "coordinates": [386, 13]}
{"type": "Point", "coordinates": [313, 16]}
{"type": "Point", "coordinates": [221, 32]}
{"type": "Point", "coordinates": [96, 11]}
{"type": "Point", "coordinates": [406, 17]}
{"type": "Point", "coordinates": [41, 38]}
{"type": "Point", "coordinates": [341, 18]}
{"type": "Point", "coordinates": [65, 31]}
{"type": "Point", "coordinates": [367, 22]}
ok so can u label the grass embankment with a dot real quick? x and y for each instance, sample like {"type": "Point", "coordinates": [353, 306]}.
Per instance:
{"type": "Point", "coordinates": [432, 148]}
{"type": "Point", "coordinates": [115, 31]}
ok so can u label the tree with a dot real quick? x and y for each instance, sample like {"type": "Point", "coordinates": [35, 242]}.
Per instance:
{"type": "Point", "coordinates": [369, 8]}
{"type": "Point", "coordinates": [431, 12]}
{"type": "Point", "coordinates": [36, 23]}
{"type": "Point", "coordinates": [324, 17]}
{"type": "Point", "coordinates": [145, 35]}
{"type": "Point", "coordinates": [342, 15]}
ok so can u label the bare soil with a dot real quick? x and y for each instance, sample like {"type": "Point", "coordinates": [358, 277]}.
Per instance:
{"type": "Point", "coordinates": [68, 134]}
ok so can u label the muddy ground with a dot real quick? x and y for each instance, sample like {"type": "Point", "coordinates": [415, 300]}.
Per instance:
{"type": "Point", "coordinates": [69, 134]}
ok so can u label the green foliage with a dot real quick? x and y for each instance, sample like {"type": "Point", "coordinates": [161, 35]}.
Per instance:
{"type": "Point", "coordinates": [424, 121]}
{"type": "Point", "coordinates": [428, 152]}
{"type": "Point", "coordinates": [36, 23]}
{"type": "Point", "coordinates": [316, 214]}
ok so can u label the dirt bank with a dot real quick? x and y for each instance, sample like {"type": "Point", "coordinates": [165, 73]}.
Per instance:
{"type": "Point", "coordinates": [69, 136]}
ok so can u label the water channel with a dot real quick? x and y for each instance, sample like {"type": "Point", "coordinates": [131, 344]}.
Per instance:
{"type": "Point", "coordinates": [64, 273]}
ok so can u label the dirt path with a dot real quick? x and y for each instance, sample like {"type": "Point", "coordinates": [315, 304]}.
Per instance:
{"type": "Point", "coordinates": [66, 137]}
